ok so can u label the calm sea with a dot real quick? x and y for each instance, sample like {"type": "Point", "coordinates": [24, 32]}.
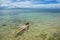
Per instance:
{"type": "Point", "coordinates": [43, 24]}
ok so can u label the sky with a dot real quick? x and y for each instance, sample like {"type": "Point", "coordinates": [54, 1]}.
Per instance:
{"type": "Point", "coordinates": [30, 4]}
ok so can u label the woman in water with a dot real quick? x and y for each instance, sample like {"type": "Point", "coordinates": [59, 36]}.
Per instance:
{"type": "Point", "coordinates": [22, 29]}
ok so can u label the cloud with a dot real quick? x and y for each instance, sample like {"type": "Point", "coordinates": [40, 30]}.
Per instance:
{"type": "Point", "coordinates": [49, 0]}
{"type": "Point", "coordinates": [17, 4]}
{"type": "Point", "coordinates": [5, 1]}
{"type": "Point", "coordinates": [58, 1]}
{"type": "Point", "coordinates": [46, 6]}
{"type": "Point", "coordinates": [30, 5]}
{"type": "Point", "coordinates": [27, 4]}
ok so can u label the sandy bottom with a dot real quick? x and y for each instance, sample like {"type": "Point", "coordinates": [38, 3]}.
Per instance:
{"type": "Point", "coordinates": [43, 26]}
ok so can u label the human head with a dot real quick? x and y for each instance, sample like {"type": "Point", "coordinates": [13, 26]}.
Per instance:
{"type": "Point", "coordinates": [27, 23]}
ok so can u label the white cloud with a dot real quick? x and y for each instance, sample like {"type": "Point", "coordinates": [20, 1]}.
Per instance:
{"type": "Point", "coordinates": [26, 4]}
{"type": "Point", "coordinates": [17, 4]}
{"type": "Point", "coordinates": [49, 0]}
{"type": "Point", "coordinates": [5, 1]}
{"type": "Point", "coordinates": [58, 1]}
{"type": "Point", "coordinates": [46, 6]}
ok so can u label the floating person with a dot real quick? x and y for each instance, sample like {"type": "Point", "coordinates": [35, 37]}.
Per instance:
{"type": "Point", "coordinates": [21, 29]}
{"type": "Point", "coordinates": [25, 26]}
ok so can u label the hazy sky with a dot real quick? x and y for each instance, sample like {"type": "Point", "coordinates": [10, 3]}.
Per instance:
{"type": "Point", "coordinates": [30, 3]}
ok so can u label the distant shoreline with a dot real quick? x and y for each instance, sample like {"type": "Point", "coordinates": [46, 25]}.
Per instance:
{"type": "Point", "coordinates": [30, 9]}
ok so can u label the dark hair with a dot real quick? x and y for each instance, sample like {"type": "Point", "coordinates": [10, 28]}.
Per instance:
{"type": "Point", "coordinates": [27, 23]}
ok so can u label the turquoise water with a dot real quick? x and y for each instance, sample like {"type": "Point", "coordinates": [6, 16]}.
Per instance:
{"type": "Point", "coordinates": [40, 23]}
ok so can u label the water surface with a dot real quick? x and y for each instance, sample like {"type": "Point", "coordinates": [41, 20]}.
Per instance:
{"type": "Point", "coordinates": [43, 25]}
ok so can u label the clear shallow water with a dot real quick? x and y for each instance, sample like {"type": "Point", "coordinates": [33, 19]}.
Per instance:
{"type": "Point", "coordinates": [40, 23]}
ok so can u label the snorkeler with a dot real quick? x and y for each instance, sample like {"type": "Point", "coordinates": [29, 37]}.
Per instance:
{"type": "Point", "coordinates": [25, 26]}
{"type": "Point", "coordinates": [21, 29]}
